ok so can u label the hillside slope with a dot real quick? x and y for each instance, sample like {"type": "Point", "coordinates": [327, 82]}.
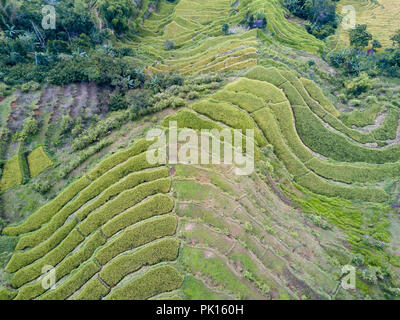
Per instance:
{"type": "Point", "coordinates": [80, 197]}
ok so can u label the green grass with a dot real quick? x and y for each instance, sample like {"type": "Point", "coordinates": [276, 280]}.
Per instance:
{"type": "Point", "coordinates": [361, 118]}
{"type": "Point", "coordinates": [215, 269]}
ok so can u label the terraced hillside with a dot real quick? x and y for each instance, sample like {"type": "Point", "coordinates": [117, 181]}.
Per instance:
{"type": "Point", "coordinates": [194, 27]}
{"type": "Point", "coordinates": [80, 201]}
{"type": "Point", "coordinates": [378, 15]}
{"type": "Point", "coordinates": [286, 110]}
{"type": "Point", "coordinates": [114, 233]}
{"type": "Point", "coordinates": [109, 235]}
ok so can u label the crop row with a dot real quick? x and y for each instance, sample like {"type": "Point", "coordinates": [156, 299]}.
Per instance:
{"type": "Point", "coordinates": [266, 91]}
{"type": "Point", "coordinates": [156, 205]}
{"type": "Point", "coordinates": [137, 235]}
{"type": "Point", "coordinates": [385, 132]}
{"type": "Point", "coordinates": [155, 281]}
{"type": "Point", "coordinates": [138, 147]}
{"type": "Point", "coordinates": [38, 161]}
{"type": "Point", "coordinates": [122, 202]}
{"type": "Point", "coordinates": [158, 251]}
{"type": "Point", "coordinates": [266, 121]}
{"type": "Point", "coordinates": [107, 186]}
{"type": "Point", "coordinates": [72, 283]}
{"type": "Point", "coordinates": [343, 172]}
{"type": "Point", "coordinates": [94, 289]}
{"type": "Point", "coordinates": [65, 267]}
{"type": "Point", "coordinates": [333, 145]}
{"type": "Point", "coordinates": [12, 173]}
{"type": "Point", "coordinates": [229, 115]}
{"type": "Point", "coordinates": [45, 213]}
{"type": "Point", "coordinates": [244, 100]}
{"type": "Point", "coordinates": [22, 259]}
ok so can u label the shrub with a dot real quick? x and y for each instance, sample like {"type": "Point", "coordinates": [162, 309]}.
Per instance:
{"type": "Point", "coordinates": [359, 36]}
{"type": "Point", "coordinates": [30, 86]}
{"type": "Point", "coordinates": [5, 90]}
{"type": "Point", "coordinates": [117, 13]}
{"type": "Point", "coordinates": [359, 85]}
{"type": "Point", "coordinates": [117, 101]}
{"type": "Point", "coordinates": [100, 129]}
{"type": "Point", "coordinates": [30, 127]}
{"type": "Point", "coordinates": [168, 45]}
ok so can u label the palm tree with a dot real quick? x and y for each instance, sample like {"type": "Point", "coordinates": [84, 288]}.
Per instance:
{"type": "Point", "coordinates": [10, 31]}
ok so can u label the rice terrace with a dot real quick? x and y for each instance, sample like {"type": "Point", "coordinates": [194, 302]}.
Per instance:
{"type": "Point", "coordinates": [90, 90]}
